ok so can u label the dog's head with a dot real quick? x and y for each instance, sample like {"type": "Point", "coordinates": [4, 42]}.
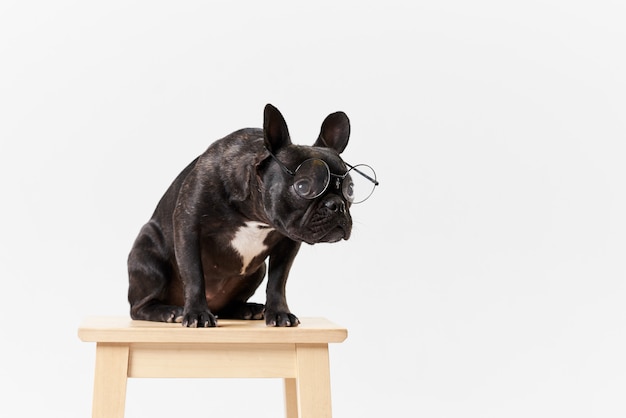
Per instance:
{"type": "Point", "coordinates": [307, 190]}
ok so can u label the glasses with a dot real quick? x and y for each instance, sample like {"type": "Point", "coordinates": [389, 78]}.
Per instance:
{"type": "Point", "coordinates": [312, 178]}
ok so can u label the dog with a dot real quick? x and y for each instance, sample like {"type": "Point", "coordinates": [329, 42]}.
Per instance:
{"type": "Point", "coordinates": [250, 196]}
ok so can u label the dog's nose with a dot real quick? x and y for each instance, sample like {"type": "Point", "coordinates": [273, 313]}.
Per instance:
{"type": "Point", "coordinates": [335, 205]}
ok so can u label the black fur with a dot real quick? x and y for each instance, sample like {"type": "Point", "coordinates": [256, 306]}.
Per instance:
{"type": "Point", "coordinates": [183, 266]}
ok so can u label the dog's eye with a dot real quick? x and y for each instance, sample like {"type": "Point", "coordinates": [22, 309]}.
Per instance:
{"type": "Point", "coordinates": [303, 187]}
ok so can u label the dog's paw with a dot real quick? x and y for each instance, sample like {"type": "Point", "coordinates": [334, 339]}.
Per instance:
{"type": "Point", "coordinates": [199, 319]}
{"type": "Point", "coordinates": [281, 319]}
{"type": "Point", "coordinates": [242, 310]}
{"type": "Point", "coordinates": [176, 315]}
{"type": "Point", "coordinates": [158, 313]}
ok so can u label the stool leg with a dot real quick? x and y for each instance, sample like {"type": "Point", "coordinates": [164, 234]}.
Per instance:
{"type": "Point", "coordinates": [313, 381]}
{"type": "Point", "coordinates": [109, 392]}
{"type": "Point", "coordinates": [291, 398]}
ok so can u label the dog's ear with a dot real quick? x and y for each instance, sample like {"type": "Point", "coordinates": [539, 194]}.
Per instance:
{"type": "Point", "coordinates": [335, 132]}
{"type": "Point", "coordinates": [275, 132]}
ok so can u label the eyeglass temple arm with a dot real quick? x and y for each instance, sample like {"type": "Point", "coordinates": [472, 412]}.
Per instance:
{"type": "Point", "coordinates": [281, 165]}
{"type": "Point", "coordinates": [363, 174]}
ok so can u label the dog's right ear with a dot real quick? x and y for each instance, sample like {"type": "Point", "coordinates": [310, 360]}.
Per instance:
{"type": "Point", "coordinates": [275, 132]}
{"type": "Point", "coordinates": [335, 132]}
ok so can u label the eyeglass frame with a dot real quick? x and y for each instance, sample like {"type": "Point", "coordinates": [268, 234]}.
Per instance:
{"type": "Point", "coordinates": [339, 176]}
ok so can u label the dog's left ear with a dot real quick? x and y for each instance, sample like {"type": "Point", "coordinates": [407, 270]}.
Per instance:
{"type": "Point", "coordinates": [275, 132]}
{"type": "Point", "coordinates": [335, 132]}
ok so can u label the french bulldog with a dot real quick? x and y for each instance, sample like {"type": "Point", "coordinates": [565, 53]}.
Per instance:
{"type": "Point", "coordinates": [250, 196]}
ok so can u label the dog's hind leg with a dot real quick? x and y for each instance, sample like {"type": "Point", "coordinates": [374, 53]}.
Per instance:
{"type": "Point", "coordinates": [239, 307]}
{"type": "Point", "coordinates": [150, 275]}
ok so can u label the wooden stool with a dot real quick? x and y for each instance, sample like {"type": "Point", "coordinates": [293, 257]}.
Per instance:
{"type": "Point", "coordinates": [127, 348]}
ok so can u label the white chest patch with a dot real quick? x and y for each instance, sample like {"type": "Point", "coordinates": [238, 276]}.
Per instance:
{"type": "Point", "coordinates": [248, 242]}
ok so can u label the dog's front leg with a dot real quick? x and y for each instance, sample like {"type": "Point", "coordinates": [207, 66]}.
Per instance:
{"type": "Point", "coordinates": [277, 312]}
{"type": "Point", "coordinates": [196, 311]}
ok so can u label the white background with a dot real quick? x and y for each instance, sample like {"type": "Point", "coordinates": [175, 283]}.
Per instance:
{"type": "Point", "coordinates": [484, 278]}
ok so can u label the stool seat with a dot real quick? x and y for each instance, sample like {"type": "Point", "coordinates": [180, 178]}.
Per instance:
{"type": "Point", "coordinates": [235, 348]}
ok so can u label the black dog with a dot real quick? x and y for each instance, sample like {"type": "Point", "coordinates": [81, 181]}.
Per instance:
{"type": "Point", "coordinates": [249, 196]}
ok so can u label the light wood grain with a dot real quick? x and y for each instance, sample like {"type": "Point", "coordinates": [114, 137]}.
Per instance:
{"type": "Point", "coordinates": [121, 329]}
{"type": "Point", "coordinates": [313, 381]}
{"type": "Point", "coordinates": [109, 394]}
{"type": "Point", "coordinates": [212, 360]}
{"type": "Point", "coordinates": [291, 398]}
{"type": "Point", "coordinates": [126, 348]}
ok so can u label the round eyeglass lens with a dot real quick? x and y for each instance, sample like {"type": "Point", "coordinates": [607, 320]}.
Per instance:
{"type": "Point", "coordinates": [359, 183]}
{"type": "Point", "coordinates": [311, 179]}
